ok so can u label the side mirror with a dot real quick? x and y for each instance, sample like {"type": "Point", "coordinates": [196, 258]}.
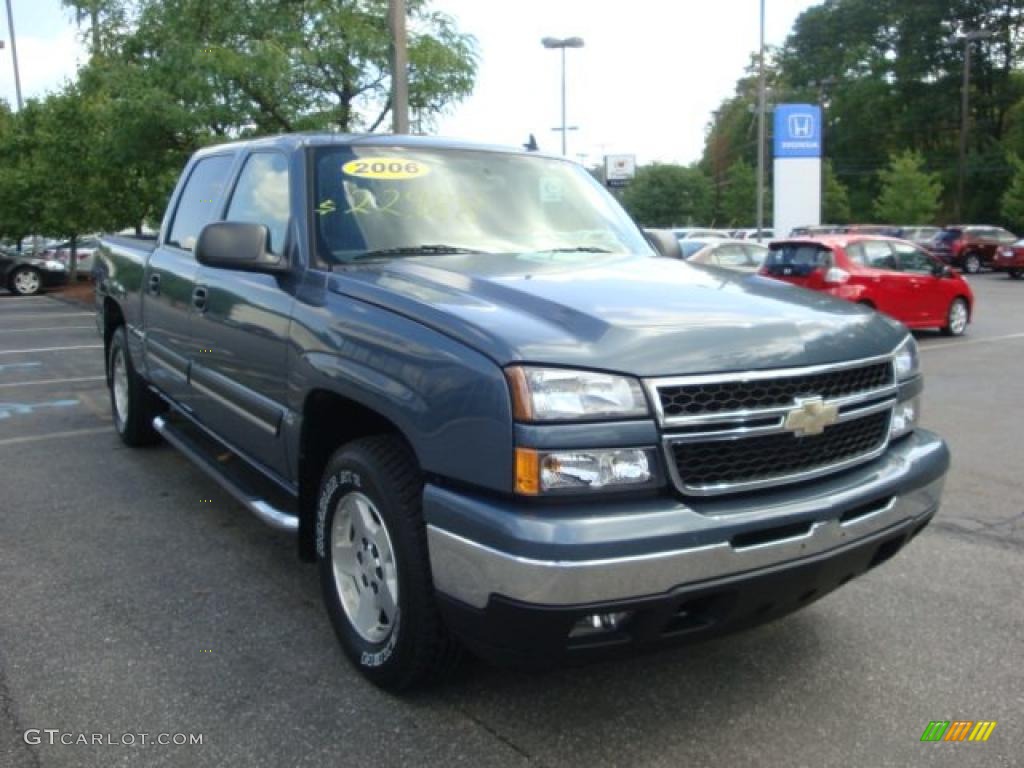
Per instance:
{"type": "Point", "coordinates": [943, 270]}
{"type": "Point", "coordinates": [664, 242]}
{"type": "Point", "coordinates": [238, 245]}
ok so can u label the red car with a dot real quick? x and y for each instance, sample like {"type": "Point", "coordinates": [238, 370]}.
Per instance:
{"type": "Point", "coordinates": [893, 276]}
{"type": "Point", "coordinates": [1010, 258]}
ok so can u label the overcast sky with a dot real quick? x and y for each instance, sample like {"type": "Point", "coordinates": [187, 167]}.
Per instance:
{"type": "Point", "coordinates": [645, 84]}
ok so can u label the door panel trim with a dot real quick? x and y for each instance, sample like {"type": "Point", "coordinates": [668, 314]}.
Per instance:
{"type": "Point", "coordinates": [251, 406]}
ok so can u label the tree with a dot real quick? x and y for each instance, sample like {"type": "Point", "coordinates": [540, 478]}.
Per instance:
{"type": "Point", "coordinates": [836, 200]}
{"type": "Point", "coordinates": [739, 198]}
{"type": "Point", "coordinates": [909, 194]}
{"type": "Point", "coordinates": [669, 195]}
{"type": "Point", "coordinates": [1013, 198]}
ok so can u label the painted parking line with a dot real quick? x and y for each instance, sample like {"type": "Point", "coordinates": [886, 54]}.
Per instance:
{"type": "Point", "coordinates": [27, 409]}
{"type": "Point", "coordinates": [49, 328]}
{"type": "Point", "coordinates": [23, 315]}
{"type": "Point", "coordinates": [43, 382]}
{"type": "Point", "coordinates": [54, 436]}
{"type": "Point", "coordinates": [19, 366]}
{"type": "Point", "coordinates": [969, 342]}
{"type": "Point", "coordinates": [48, 349]}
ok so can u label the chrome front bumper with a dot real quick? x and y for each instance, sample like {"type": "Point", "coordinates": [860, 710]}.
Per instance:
{"type": "Point", "coordinates": [471, 571]}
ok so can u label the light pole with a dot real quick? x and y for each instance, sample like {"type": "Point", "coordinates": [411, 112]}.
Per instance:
{"type": "Point", "coordinates": [14, 54]}
{"type": "Point", "coordinates": [561, 43]}
{"type": "Point", "coordinates": [967, 38]}
{"type": "Point", "coordinates": [761, 106]}
{"type": "Point", "coordinates": [399, 67]}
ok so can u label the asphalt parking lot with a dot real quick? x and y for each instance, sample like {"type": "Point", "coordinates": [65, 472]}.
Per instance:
{"type": "Point", "coordinates": [137, 597]}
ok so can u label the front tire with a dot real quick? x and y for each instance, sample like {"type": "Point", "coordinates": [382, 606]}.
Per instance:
{"type": "Point", "coordinates": [972, 264]}
{"type": "Point", "coordinates": [957, 317]}
{"type": "Point", "coordinates": [374, 566]}
{"type": "Point", "coordinates": [1016, 274]}
{"type": "Point", "coordinates": [132, 405]}
{"type": "Point", "coordinates": [26, 282]}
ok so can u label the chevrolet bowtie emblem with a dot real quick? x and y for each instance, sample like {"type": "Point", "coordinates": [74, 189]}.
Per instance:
{"type": "Point", "coordinates": [810, 417]}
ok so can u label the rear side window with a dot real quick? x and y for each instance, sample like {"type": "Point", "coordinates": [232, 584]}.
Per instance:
{"type": "Point", "coordinates": [200, 200]}
{"type": "Point", "coordinates": [261, 196]}
{"type": "Point", "coordinates": [797, 259]}
{"type": "Point", "coordinates": [948, 235]}
{"type": "Point", "coordinates": [872, 253]}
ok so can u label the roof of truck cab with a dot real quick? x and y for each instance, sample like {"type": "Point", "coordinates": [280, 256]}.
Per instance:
{"type": "Point", "coordinates": [293, 141]}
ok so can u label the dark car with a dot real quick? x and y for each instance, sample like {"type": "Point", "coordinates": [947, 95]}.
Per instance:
{"type": "Point", "coordinates": [1010, 259]}
{"type": "Point", "coordinates": [970, 248]}
{"type": "Point", "coordinates": [26, 275]}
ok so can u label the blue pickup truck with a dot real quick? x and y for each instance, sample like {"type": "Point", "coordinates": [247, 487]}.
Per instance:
{"type": "Point", "coordinates": [497, 414]}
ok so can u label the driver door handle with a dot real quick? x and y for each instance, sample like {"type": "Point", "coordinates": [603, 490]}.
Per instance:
{"type": "Point", "coordinates": [199, 298]}
{"type": "Point", "coordinates": [154, 284]}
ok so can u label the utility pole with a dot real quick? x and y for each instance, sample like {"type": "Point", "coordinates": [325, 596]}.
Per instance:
{"type": "Point", "coordinates": [965, 91]}
{"type": "Point", "coordinates": [14, 54]}
{"type": "Point", "coordinates": [399, 67]}
{"type": "Point", "coordinates": [761, 107]}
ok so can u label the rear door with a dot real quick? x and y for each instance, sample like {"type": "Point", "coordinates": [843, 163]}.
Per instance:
{"type": "Point", "coordinates": [887, 287]}
{"type": "Point", "coordinates": [171, 273]}
{"type": "Point", "coordinates": [928, 298]}
{"type": "Point", "coordinates": [240, 331]}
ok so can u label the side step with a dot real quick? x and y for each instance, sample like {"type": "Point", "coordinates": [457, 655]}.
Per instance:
{"type": "Point", "coordinates": [258, 494]}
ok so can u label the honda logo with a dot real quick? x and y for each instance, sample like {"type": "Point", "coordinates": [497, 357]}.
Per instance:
{"type": "Point", "coordinates": [801, 125]}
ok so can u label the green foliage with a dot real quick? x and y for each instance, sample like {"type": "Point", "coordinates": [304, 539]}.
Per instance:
{"type": "Point", "coordinates": [1013, 198]}
{"type": "Point", "coordinates": [739, 199]}
{"type": "Point", "coordinates": [669, 195]}
{"type": "Point", "coordinates": [909, 194]}
{"type": "Point", "coordinates": [890, 80]}
{"type": "Point", "coordinates": [836, 202]}
{"type": "Point", "coordinates": [166, 77]}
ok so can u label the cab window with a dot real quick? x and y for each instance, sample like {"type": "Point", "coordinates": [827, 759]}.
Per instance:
{"type": "Point", "coordinates": [261, 196]}
{"type": "Point", "coordinates": [200, 200]}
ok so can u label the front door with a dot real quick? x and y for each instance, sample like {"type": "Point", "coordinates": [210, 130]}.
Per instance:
{"type": "Point", "coordinates": [240, 330]}
{"type": "Point", "coordinates": [170, 278]}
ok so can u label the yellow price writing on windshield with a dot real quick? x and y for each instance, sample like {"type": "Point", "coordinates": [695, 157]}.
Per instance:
{"type": "Point", "coordinates": [385, 168]}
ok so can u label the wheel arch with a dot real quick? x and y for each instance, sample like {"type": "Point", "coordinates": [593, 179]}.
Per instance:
{"type": "Point", "coordinates": [329, 421]}
{"type": "Point", "coordinates": [113, 318]}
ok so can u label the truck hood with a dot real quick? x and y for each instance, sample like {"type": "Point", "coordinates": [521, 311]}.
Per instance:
{"type": "Point", "coordinates": [632, 314]}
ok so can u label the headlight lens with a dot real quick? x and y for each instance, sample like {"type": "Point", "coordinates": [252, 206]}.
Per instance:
{"type": "Point", "coordinates": [905, 417]}
{"type": "Point", "coordinates": [907, 360]}
{"type": "Point", "coordinates": [582, 470]}
{"type": "Point", "coordinates": [554, 394]}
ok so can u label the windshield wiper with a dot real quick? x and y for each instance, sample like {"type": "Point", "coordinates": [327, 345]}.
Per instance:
{"type": "Point", "coordinates": [416, 250]}
{"type": "Point", "coordinates": [575, 249]}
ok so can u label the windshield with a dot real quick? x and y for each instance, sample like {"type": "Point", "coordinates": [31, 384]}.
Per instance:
{"type": "Point", "coordinates": [383, 202]}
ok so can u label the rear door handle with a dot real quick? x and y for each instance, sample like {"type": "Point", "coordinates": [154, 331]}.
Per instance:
{"type": "Point", "coordinates": [154, 284]}
{"type": "Point", "coordinates": [199, 297]}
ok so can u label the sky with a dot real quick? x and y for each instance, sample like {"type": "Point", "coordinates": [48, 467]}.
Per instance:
{"type": "Point", "coordinates": [645, 83]}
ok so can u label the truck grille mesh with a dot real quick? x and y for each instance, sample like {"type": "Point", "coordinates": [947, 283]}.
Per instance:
{"type": "Point", "coordinates": [725, 396]}
{"type": "Point", "coordinates": [733, 462]}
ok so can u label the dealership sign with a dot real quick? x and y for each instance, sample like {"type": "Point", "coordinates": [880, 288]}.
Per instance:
{"type": "Point", "coordinates": [619, 170]}
{"type": "Point", "coordinates": [797, 130]}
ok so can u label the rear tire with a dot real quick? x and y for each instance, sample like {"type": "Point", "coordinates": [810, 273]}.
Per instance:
{"type": "Point", "coordinates": [957, 317]}
{"type": "Point", "coordinates": [132, 405]}
{"type": "Point", "coordinates": [26, 281]}
{"type": "Point", "coordinates": [972, 264]}
{"type": "Point", "coordinates": [374, 566]}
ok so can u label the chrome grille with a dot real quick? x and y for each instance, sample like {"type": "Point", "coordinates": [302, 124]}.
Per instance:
{"type": "Point", "coordinates": [726, 433]}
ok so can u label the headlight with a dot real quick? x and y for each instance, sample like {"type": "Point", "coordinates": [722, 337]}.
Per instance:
{"type": "Point", "coordinates": [583, 470]}
{"type": "Point", "coordinates": [905, 417]}
{"type": "Point", "coordinates": [54, 266]}
{"type": "Point", "coordinates": [906, 360]}
{"type": "Point", "coordinates": [554, 394]}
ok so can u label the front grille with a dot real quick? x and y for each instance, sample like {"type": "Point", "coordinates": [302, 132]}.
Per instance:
{"type": "Point", "coordinates": [738, 462]}
{"type": "Point", "coordinates": [697, 399]}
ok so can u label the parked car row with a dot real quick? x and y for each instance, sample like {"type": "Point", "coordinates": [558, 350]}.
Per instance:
{"type": "Point", "coordinates": [26, 274]}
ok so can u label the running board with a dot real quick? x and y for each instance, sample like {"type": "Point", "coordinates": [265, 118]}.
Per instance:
{"type": "Point", "coordinates": [258, 494]}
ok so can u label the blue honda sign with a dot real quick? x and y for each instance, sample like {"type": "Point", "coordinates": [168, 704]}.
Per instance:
{"type": "Point", "coordinates": [797, 130]}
